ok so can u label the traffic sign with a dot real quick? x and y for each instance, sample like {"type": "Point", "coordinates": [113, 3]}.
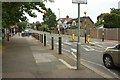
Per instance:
{"type": "Point", "coordinates": [80, 1]}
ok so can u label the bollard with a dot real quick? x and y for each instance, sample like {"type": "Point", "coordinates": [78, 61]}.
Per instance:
{"type": "Point", "coordinates": [38, 36]}
{"type": "Point", "coordinates": [73, 37]}
{"type": "Point", "coordinates": [7, 36]}
{"type": "Point", "coordinates": [88, 38]}
{"type": "Point", "coordinates": [52, 43]}
{"type": "Point", "coordinates": [60, 45]}
{"type": "Point", "coordinates": [85, 38]}
{"type": "Point", "coordinates": [102, 37]}
{"type": "Point", "coordinates": [44, 39]}
{"type": "Point", "coordinates": [41, 38]}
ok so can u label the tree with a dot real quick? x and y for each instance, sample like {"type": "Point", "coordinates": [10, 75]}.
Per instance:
{"type": "Point", "coordinates": [38, 24]}
{"type": "Point", "coordinates": [50, 18]}
{"type": "Point", "coordinates": [22, 25]}
{"type": "Point", "coordinates": [13, 12]}
{"type": "Point", "coordinates": [111, 20]}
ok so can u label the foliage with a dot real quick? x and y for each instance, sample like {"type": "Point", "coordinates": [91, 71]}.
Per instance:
{"type": "Point", "coordinates": [111, 20]}
{"type": "Point", "coordinates": [38, 24]}
{"type": "Point", "coordinates": [50, 18]}
{"type": "Point", "coordinates": [13, 12]}
{"type": "Point", "coordinates": [22, 25]}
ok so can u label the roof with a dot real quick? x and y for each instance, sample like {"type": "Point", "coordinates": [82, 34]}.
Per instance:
{"type": "Point", "coordinates": [81, 19]}
{"type": "Point", "coordinates": [65, 19]}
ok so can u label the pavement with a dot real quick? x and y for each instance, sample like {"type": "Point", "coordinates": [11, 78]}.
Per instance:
{"type": "Point", "coordinates": [26, 57]}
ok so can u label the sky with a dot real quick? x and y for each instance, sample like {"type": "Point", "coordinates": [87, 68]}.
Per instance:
{"type": "Point", "coordinates": [93, 8]}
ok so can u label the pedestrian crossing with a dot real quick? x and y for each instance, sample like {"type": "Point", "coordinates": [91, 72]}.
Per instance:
{"type": "Point", "coordinates": [97, 47]}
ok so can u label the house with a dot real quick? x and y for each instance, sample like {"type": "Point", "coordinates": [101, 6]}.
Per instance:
{"type": "Point", "coordinates": [62, 22]}
{"type": "Point", "coordinates": [86, 22]}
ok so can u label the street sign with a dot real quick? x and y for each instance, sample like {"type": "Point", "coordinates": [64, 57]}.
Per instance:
{"type": "Point", "coordinates": [80, 1]}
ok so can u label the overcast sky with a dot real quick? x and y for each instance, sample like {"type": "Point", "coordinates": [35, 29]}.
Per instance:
{"type": "Point", "coordinates": [93, 9]}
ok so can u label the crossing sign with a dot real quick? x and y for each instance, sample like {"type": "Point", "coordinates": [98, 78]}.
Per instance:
{"type": "Point", "coordinates": [80, 1]}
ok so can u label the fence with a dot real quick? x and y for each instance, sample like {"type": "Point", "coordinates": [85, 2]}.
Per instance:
{"type": "Point", "coordinates": [109, 33]}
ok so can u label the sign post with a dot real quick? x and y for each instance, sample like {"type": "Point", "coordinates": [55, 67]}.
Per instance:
{"type": "Point", "coordinates": [78, 43]}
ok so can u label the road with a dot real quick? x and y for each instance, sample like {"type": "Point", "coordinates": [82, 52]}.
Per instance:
{"type": "Point", "coordinates": [91, 56]}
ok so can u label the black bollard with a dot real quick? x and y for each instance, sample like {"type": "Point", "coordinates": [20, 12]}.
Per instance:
{"type": "Point", "coordinates": [44, 39]}
{"type": "Point", "coordinates": [41, 38]}
{"type": "Point", "coordinates": [52, 43]}
{"type": "Point", "coordinates": [60, 45]}
{"type": "Point", "coordinates": [85, 38]}
{"type": "Point", "coordinates": [38, 36]}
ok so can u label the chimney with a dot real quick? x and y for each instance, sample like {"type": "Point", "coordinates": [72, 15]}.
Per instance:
{"type": "Point", "coordinates": [67, 17]}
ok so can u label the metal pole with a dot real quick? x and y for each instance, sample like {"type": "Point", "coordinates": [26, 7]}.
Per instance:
{"type": "Point", "coordinates": [78, 44]}
{"type": "Point", "coordinates": [85, 26]}
{"type": "Point", "coordinates": [59, 12]}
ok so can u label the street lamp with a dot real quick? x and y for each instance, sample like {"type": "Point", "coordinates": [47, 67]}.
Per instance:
{"type": "Point", "coordinates": [59, 12]}
{"type": "Point", "coordinates": [59, 23]}
{"type": "Point", "coordinates": [85, 25]}
{"type": "Point", "coordinates": [103, 31]}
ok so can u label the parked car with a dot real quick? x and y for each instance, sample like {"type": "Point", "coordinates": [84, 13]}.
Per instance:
{"type": "Point", "coordinates": [26, 33]}
{"type": "Point", "coordinates": [111, 56]}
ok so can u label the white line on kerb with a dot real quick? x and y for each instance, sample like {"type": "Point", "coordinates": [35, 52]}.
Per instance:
{"type": "Point", "coordinates": [68, 65]}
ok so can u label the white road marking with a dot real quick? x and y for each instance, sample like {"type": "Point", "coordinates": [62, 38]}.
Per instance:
{"type": "Point", "coordinates": [90, 47]}
{"type": "Point", "coordinates": [66, 50]}
{"type": "Point", "coordinates": [74, 50]}
{"type": "Point", "coordinates": [96, 70]}
{"type": "Point", "coordinates": [100, 46]}
{"type": "Point", "coordinates": [67, 43]}
{"type": "Point", "coordinates": [57, 43]}
{"type": "Point", "coordinates": [68, 65]}
{"type": "Point", "coordinates": [73, 54]}
{"type": "Point", "coordinates": [101, 73]}
{"type": "Point", "coordinates": [86, 49]}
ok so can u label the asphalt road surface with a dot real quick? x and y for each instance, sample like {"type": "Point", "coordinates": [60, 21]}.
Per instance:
{"type": "Point", "coordinates": [91, 56]}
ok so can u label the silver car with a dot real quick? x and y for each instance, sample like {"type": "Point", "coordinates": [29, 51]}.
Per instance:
{"type": "Point", "coordinates": [111, 56]}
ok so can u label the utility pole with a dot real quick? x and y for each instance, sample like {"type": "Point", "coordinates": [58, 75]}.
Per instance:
{"type": "Point", "coordinates": [78, 43]}
{"type": "Point", "coordinates": [85, 25]}
{"type": "Point", "coordinates": [59, 21]}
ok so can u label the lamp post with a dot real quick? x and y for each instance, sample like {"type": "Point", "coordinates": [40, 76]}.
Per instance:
{"type": "Point", "coordinates": [103, 31]}
{"type": "Point", "coordinates": [59, 12]}
{"type": "Point", "coordinates": [85, 25]}
{"type": "Point", "coordinates": [78, 43]}
{"type": "Point", "coordinates": [59, 21]}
